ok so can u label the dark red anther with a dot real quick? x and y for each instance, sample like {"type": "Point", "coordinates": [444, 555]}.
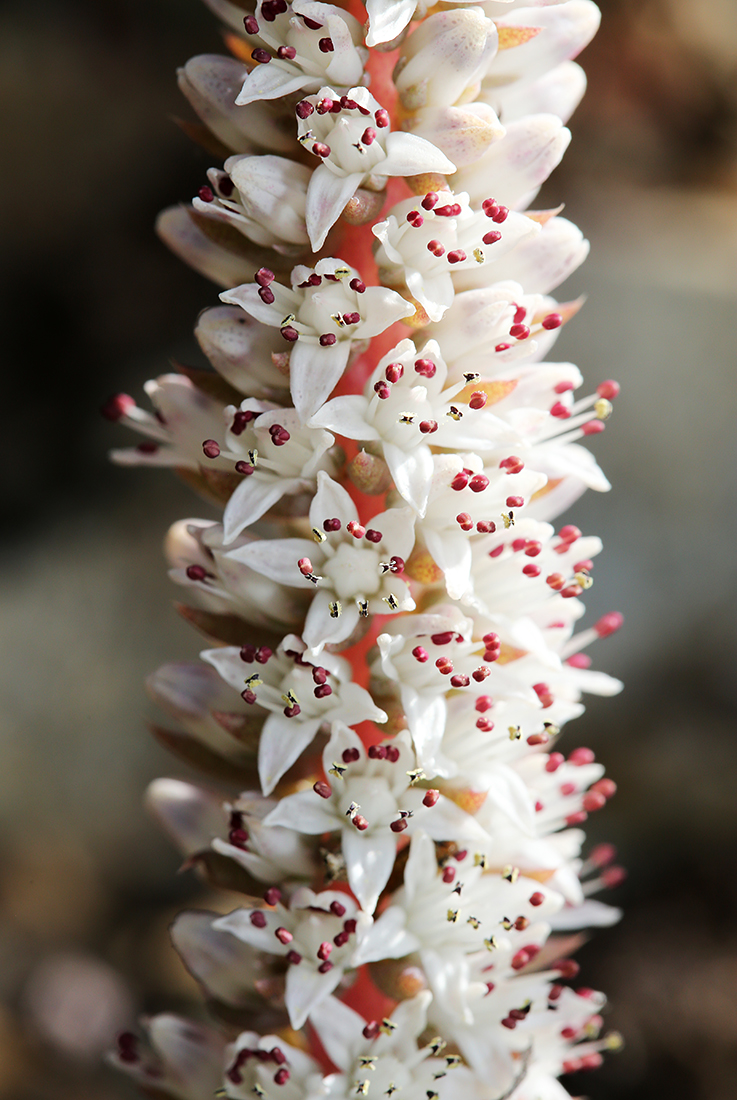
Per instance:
{"type": "Point", "coordinates": [358, 285]}
{"type": "Point", "coordinates": [484, 703]}
{"type": "Point", "coordinates": [360, 822]}
{"type": "Point", "coordinates": [486, 526]}
{"type": "Point", "coordinates": [324, 950]}
{"type": "Point", "coordinates": [368, 137]}
{"type": "Point", "coordinates": [272, 895]}
{"type": "Point", "coordinates": [420, 654]}
{"type": "Point", "coordinates": [520, 332]}
{"type": "Point", "coordinates": [477, 400]}
{"type": "Point", "coordinates": [373, 536]}
{"type": "Point", "coordinates": [325, 45]}
{"type": "Point", "coordinates": [502, 347]}
{"type": "Point", "coordinates": [304, 109]}
{"type": "Point", "coordinates": [444, 638]}
{"type": "Point", "coordinates": [593, 800]}
{"type": "Point", "coordinates": [261, 57]}
{"type": "Point", "coordinates": [281, 1076]}
{"type": "Point", "coordinates": [352, 318]}
{"type": "Point", "coordinates": [608, 390]}
{"type": "Point", "coordinates": [394, 372]}
{"type": "Point", "coordinates": [501, 215]}
{"type": "Point", "coordinates": [322, 691]}
{"type": "Point", "coordinates": [286, 53]}
{"type": "Point", "coordinates": [264, 276]}
{"type": "Point", "coordinates": [399, 825]}
{"type": "Point", "coordinates": [117, 406]}
{"type": "Point", "coordinates": [324, 967]}
{"type": "Point", "coordinates": [205, 192]}
{"type": "Point", "coordinates": [371, 1030]}
{"type": "Point", "coordinates": [481, 673]}
{"type": "Point", "coordinates": [459, 681]}
{"type": "Point", "coordinates": [396, 565]}
{"type": "Point", "coordinates": [581, 756]}
{"type": "Point", "coordinates": [381, 389]}
{"type": "Point", "coordinates": [377, 752]}
{"type": "Point", "coordinates": [484, 724]}
{"type": "Point", "coordinates": [554, 761]}
{"type": "Point", "coordinates": [464, 521]}
{"type": "Point", "coordinates": [292, 712]}
{"type": "Point", "coordinates": [444, 665]}
{"type": "Point", "coordinates": [392, 753]}
{"type": "Point", "coordinates": [478, 483]}
{"type": "Point", "coordinates": [322, 788]}
{"type": "Point", "coordinates": [426, 368]}
{"type": "Point", "coordinates": [257, 918]}
{"type": "Point", "coordinates": [289, 333]}
{"type": "Point", "coordinates": [553, 320]}
{"type": "Point", "coordinates": [536, 899]}
{"type": "Point", "coordinates": [349, 756]}
{"type": "Point", "coordinates": [567, 968]}
{"type": "Point", "coordinates": [341, 939]}
{"type": "Point", "coordinates": [436, 247]}
{"type": "Point", "coordinates": [320, 149]}
{"type": "Point", "coordinates": [456, 256]}
{"type": "Point", "coordinates": [430, 200]}
{"type": "Point", "coordinates": [430, 798]}
{"type": "Point", "coordinates": [531, 570]}
{"type": "Point", "coordinates": [427, 427]}
{"type": "Point", "coordinates": [460, 481]}
{"type": "Point", "coordinates": [382, 118]}
{"type": "Point", "coordinates": [251, 24]}
{"type": "Point", "coordinates": [449, 873]}
{"type": "Point", "coordinates": [196, 572]}
{"type": "Point", "coordinates": [211, 449]}
{"type": "Point", "coordinates": [491, 237]}
{"type": "Point", "coordinates": [248, 696]}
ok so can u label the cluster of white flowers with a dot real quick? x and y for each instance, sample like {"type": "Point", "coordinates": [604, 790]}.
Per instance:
{"type": "Point", "coordinates": [390, 610]}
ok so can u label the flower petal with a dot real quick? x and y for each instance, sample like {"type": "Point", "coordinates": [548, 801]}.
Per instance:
{"type": "Point", "coordinates": [283, 740]}
{"type": "Point", "coordinates": [369, 861]}
{"type": "Point", "coordinates": [327, 195]}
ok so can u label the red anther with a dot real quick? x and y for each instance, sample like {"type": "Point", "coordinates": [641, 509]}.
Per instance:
{"type": "Point", "coordinates": [502, 347]}
{"type": "Point", "coordinates": [327, 339]}
{"type": "Point", "coordinates": [567, 788]}
{"type": "Point", "coordinates": [349, 756]}
{"type": "Point", "coordinates": [567, 968]}
{"type": "Point", "coordinates": [492, 640]}
{"type": "Point", "coordinates": [572, 1065]}
{"type": "Point", "coordinates": [399, 825]}
{"type": "Point", "coordinates": [520, 959]}
{"type": "Point", "coordinates": [602, 855]}
{"type": "Point", "coordinates": [341, 939]}
{"type": "Point", "coordinates": [563, 387]}
{"type": "Point", "coordinates": [304, 109]}
{"type": "Point", "coordinates": [593, 800]}
{"type": "Point", "coordinates": [484, 724]}
{"type": "Point", "coordinates": [484, 703]}
{"type": "Point", "coordinates": [261, 57]}
{"type": "Point", "coordinates": [377, 752]}
{"type": "Point", "coordinates": [286, 53]}
{"type": "Point", "coordinates": [196, 572]}
{"type": "Point", "coordinates": [430, 200]}
{"type": "Point", "coordinates": [325, 45]}
{"type": "Point", "coordinates": [449, 873]}
{"type": "Point", "coordinates": [358, 285]}
{"type": "Point", "coordinates": [553, 320]}
{"type": "Point", "coordinates": [556, 581]}
{"type": "Point", "coordinates": [426, 368]}
{"type": "Point", "coordinates": [238, 838]}
{"type": "Point", "coordinates": [605, 786]}
{"type": "Point", "coordinates": [538, 739]}
{"type": "Point", "coordinates": [509, 1022]}
{"type": "Point", "coordinates": [382, 118]}
{"type": "Point", "coordinates": [351, 318]}
{"type": "Point", "coordinates": [569, 533]}
{"type": "Point", "coordinates": [371, 1030]}
{"type": "Point", "coordinates": [571, 591]}
{"type": "Point", "coordinates": [360, 822]}
{"type": "Point", "coordinates": [450, 210]}
{"type": "Point", "coordinates": [459, 681]}
{"type": "Point", "coordinates": [592, 1060]}
{"type": "Point", "coordinates": [420, 654]}
{"type": "Point", "coordinates": [477, 400]}
{"type": "Point", "coordinates": [539, 807]}
{"type": "Point", "coordinates": [518, 544]}
{"type": "Point", "coordinates": [348, 104]}
{"type": "Point", "coordinates": [520, 332]}
{"type": "Point", "coordinates": [464, 521]}
{"type": "Point", "coordinates": [478, 483]}
{"type": "Point", "coordinates": [325, 106]}
{"type": "Point", "coordinates": [392, 753]}
{"type": "Point", "coordinates": [512, 464]}
{"type": "Point", "coordinates": [608, 390]}
{"type": "Point", "coordinates": [322, 691]}
{"type": "Point", "coordinates": [568, 1033]}
{"type": "Point", "coordinates": [560, 410]}
{"type": "Point", "coordinates": [613, 876]}
{"type": "Point", "coordinates": [579, 660]}
{"type": "Point", "coordinates": [608, 624]}
{"type": "Point", "coordinates": [581, 756]}
{"type": "Point", "coordinates": [577, 819]}
{"type": "Point", "coordinates": [521, 923]}
{"type": "Point", "coordinates": [481, 673]}
{"type": "Point", "coordinates": [305, 566]}
{"type": "Point", "coordinates": [444, 638]}
{"type": "Point", "coordinates": [501, 215]}
{"type": "Point", "coordinates": [244, 468]}
{"type": "Point", "coordinates": [536, 899]}
{"type": "Point", "coordinates": [263, 654]}
{"type": "Point", "coordinates": [497, 551]}
{"type": "Point", "coordinates": [248, 696]}
{"type": "Point", "coordinates": [368, 137]}
{"type": "Point", "coordinates": [583, 566]}
{"type": "Point", "coordinates": [456, 256]}
{"type": "Point", "coordinates": [520, 314]}
{"type": "Point", "coordinates": [373, 536]}
{"type": "Point", "coordinates": [515, 502]}
{"type": "Point", "coordinates": [272, 895]}
{"type": "Point", "coordinates": [517, 1014]}
{"type": "Point", "coordinates": [427, 427]}
{"type": "Point", "coordinates": [210, 448]}
{"type": "Point", "coordinates": [415, 219]}
{"type": "Point", "coordinates": [320, 149]}
{"type": "Point", "coordinates": [491, 237]}
{"type": "Point", "coordinates": [593, 427]}
{"type": "Point", "coordinates": [251, 24]}
{"type": "Point", "coordinates": [289, 333]}
{"type": "Point", "coordinates": [350, 926]}
{"type": "Point", "coordinates": [489, 207]}
{"type": "Point", "coordinates": [461, 855]}
{"type": "Point", "coordinates": [116, 407]}
{"type": "Point", "coordinates": [396, 565]}
{"type": "Point", "coordinates": [541, 689]}
{"type": "Point", "coordinates": [554, 761]}
{"type": "Point", "coordinates": [533, 548]}
{"type": "Point", "coordinates": [324, 950]}
{"type": "Point", "coordinates": [356, 529]}
{"type": "Point", "coordinates": [460, 481]}
{"type": "Point", "coordinates": [531, 570]}
{"type": "Point", "coordinates": [292, 712]}
{"type": "Point", "coordinates": [555, 992]}
{"type": "Point", "coordinates": [436, 247]}
{"type": "Point", "coordinates": [323, 968]}
{"type": "Point", "coordinates": [331, 524]}
{"type": "Point", "coordinates": [381, 390]}
{"type": "Point", "coordinates": [257, 918]}
{"type": "Point", "coordinates": [444, 665]}
{"type": "Point", "coordinates": [282, 1075]}
{"type": "Point", "coordinates": [486, 527]}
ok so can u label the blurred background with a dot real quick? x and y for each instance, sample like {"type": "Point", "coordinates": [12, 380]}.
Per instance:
{"type": "Point", "coordinates": [91, 303]}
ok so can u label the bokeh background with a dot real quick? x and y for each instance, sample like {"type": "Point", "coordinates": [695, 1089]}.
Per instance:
{"type": "Point", "coordinates": [91, 303]}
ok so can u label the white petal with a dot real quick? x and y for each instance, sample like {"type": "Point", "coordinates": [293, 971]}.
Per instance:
{"type": "Point", "coordinates": [346, 416]}
{"type": "Point", "coordinates": [452, 552]}
{"type": "Point", "coordinates": [340, 1031]}
{"type": "Point", "coordinates": [386, 939]}
{"type": "Point", "coordinates": [446, 820]}
{"type": "Point", "coordinates": [387, 19]}
{"type": "Point", "coordinates": [380, 308]}
{"type": "Point", "coordinates": [190, 815]}
{"type": "Point", "coordinates": [314, 373]}
{"type": "Point", "coordinates": [331, 501]}
{"type": "Point", "coordinates": [305, 989]}
{"type": "Point", "coordinates": [271, 81]}
{"type": "Point", "coordinates": [304, 811]}
{"type": "Point", "coordinates": [246, 296]}
{"type": "Point", "coordinates": [282, 741]}
{"type": "Point", "coordinates": [322, 629]}
{"type": "Point", "coordinates": [412, 473]}
{"type": "Point", "coordinates": [590, 914]}
{"type": "Point", "coordinates": [369, 861]}
{"type": "Point", "coordinates": [276, 559]}
{"type": "Point", "coordinates": [327, 195]}
{"type": "Point", "coordinates": [251, 499]}
{"type": "Point", "coordinates": [410, 155]}
{"type": "Point", "coordinates": [216, 958]}
{"type": "Point", "coordinates": [422, 865]}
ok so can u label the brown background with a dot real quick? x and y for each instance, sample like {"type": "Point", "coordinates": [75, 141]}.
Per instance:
{"type": "Point", "coordinates": [91, 303]}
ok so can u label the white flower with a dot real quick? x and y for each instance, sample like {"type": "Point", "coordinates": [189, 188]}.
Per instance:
{"type": "Point", "coordinates": [327, 310]}
{"type": "Point", "coordinates": [309, 44]}
{"type": "Point", "coordinates": [355, 571]}
{"type": "Point", "coordinates": [277, 455]}
{"type": "Point", "coordinates": [299, 695]}
{"type": "Point", "coordinates": [372, 800]}
{"type": "Point", "coordinates": [406, 405]}
{"type": "Point", "coordinates": [445, 58]}
{"type": "Point", "coordinates": [320, 936]}
{"type": "Point", "coordinates": [425, 242]}
{"type": "Point", "coordinates": [244, 352]}
{"type": "Point", "coordinates": [352, 137]}
{"type": "Point", "coordinates": [181, 1059]}
{"type": "Point", "coordinates": [255, 1063]}
{"type": "Point", "coordinates": [262, 197]}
